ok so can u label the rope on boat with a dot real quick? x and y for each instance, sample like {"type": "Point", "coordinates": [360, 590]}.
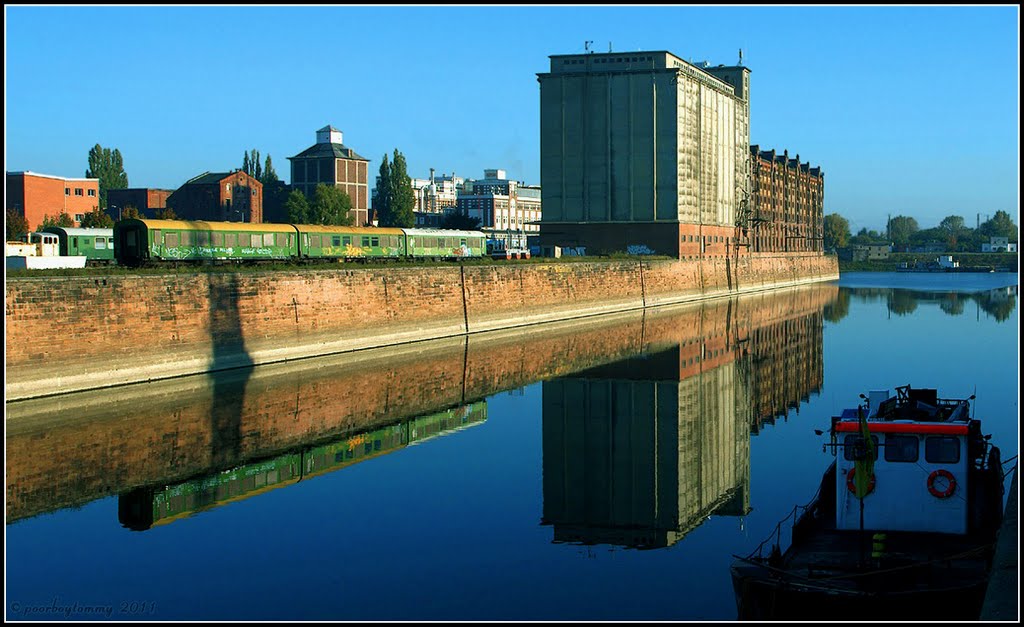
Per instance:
{"type": "Point", "coordinates": [1012, 468]}
{"type": "Point", "coordinates": [777, 532]}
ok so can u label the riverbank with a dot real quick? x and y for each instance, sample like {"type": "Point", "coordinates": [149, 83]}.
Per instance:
{"type": "Point", "coordinates": [999, 261]}
{"type": "Point", "coordinates": [68, 334]}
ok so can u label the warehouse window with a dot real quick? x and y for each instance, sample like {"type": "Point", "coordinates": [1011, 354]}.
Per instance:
{"type": "Point", "coordinates": [67, 191]}
{"type": "Point", "coordinates": [78, 191]}
{"type": "Point", "coordinates": [92, 192]}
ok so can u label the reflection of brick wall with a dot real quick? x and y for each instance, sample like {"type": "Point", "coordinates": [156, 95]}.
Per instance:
{"type": "Point", "coordinates": [158, 326]}
{"type": "Point", "coordinates": [69, 450]}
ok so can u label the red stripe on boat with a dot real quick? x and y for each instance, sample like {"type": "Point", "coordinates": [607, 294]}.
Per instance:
{"type": "Point", "coordinates": [903, 427]}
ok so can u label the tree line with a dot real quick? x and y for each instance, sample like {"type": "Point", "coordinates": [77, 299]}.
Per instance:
{"type": "Point", "coordinates": [904, 232]}
{"type": "Point", "coordinates": [394, 200]}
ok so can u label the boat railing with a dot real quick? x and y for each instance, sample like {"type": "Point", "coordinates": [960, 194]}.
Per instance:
{"type": "Point", "coordinates": [798, 516]}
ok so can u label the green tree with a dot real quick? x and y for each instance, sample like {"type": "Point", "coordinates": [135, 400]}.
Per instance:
{"type": "Point", "coordinates": [97, 219]}
{"type": "Point", "coordinates": [999, 225]}
{"type": "Point", "coordinates": [269, 175]}
{"type": "Point", "coordinates": [16, 224]}
{"type": "Point", "coordinates": [837, 231]}
{"type": "Point", "coordinates": [900, 230]}
{"type": "Point", "coordinates": [865, 237]}
{"type": "Point", "coordinates": [954, 230]}
{"type": "Point", "coordinates": [330, 206]}
{"type": "Point", "coordinates": [246, 166]}
{"type": "Point", "coordinates": [297, 208]}
{"type": "Point", "coordinates": [382, 194]}
{"type": "Point", "coordinates": [403, 199]}
{"type": "Point", "coordinates": [63, 220]}
{"type": "Point", "coordinates": [107, 166]}
{"type": "Point", "coordinates": [460, 221]}
{"type": "Point", "coordinates": [130, 212]}
{"type": "Point", "coordinates": [166, 214]}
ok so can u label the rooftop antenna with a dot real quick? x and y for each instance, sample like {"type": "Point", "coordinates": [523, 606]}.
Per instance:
{"type": "Point", "coordinates": [741, 57]}
{"type": "Point", "coordinates": [586, 46]}
{"type": "Point", "coordinates": [609, 46]}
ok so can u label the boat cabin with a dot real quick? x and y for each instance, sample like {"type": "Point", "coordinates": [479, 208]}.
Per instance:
{"type": "Point", "coordinates": [923, 451]}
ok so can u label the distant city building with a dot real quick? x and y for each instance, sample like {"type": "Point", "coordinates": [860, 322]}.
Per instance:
{"type": "Point", "coordinates": [330, 162]}
{"type": "Point", "coordinates": [36, 196]}
{"type": "Point", "coordinates": [786, 203]}
{"type": "Point", "coordinates": [219, 196]}
{"type": "Point", "coordinates": [643, 152]}
{"type": "Point", "coordinates": [999, 245]}
{"type": "Point", "coordinates": [147, 200]}
{"type": "Point", "coordinates": [436, 194]}
{"type": "Point", "coordinates": [508, 210]}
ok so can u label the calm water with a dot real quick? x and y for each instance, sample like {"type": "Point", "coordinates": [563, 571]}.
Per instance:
{"type": "Point", "coordinates": [606, 469]}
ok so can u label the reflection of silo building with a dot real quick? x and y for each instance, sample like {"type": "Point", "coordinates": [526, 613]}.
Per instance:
{"type": "Point", "coordinates": [643, 151]}
{"type": "Point", "coordinates": [638, 453]}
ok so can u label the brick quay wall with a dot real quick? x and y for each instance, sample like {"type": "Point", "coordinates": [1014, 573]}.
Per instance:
{"type": "Point", "coordinates": [69, 334]}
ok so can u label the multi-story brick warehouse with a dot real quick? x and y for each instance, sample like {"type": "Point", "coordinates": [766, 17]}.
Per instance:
{"type": "Point", "coordinates": [147, 200]}
{"type": "Point", "coordinates": [328, 161]}
{"type": "Point", "coordinates": [787, 203]}
{"type": "Point", "coordinates": [219, 196]}
{"type": "Point", "coordinates": [36, 196]}
{"type": "Point", "coordinates": [643, 152]}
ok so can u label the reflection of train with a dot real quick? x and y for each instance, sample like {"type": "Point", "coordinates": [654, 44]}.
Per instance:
{"type": "Point", "coordinates": [143, 508]}
{"type": "Point", "coordinates": [158, 241]}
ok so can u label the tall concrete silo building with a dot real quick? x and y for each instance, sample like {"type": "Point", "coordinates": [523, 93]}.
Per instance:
{"type": "Point", "coordinates": [643, 152]}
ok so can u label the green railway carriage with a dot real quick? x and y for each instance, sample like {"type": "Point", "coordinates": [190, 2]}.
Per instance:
{"type": "Point", "coordinates": [346, 242]}
{"type": "Point", "coordinates": [445, 244]}
{"type": "Point", "coordinates": [141, 241]}
{"type": "Point", "coordinates": [96, 245]}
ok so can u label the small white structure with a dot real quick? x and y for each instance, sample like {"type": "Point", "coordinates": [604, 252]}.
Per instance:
{"type": "Point", "coordinates": [39, 251]}
{"type": "Point", "coordinates": [999, 245]}
{"type": "Point", "coordinates": [946, 261]}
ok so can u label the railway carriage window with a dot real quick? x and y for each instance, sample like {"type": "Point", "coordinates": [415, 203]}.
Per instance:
{"type": "Point", "coordinates": [849, 442]}
{"type": "Point", "coordinates": [203, 238]}
{"type": "Point", "coordinates": [374, 242]}
{"type": "Point", "coordinates": [901, 448]}
{"type": "Point", "coordinates": [255, 240]}
{"type": "Point", "coordinates": [335, 240]}
{"type": "Point", "coordinates": [347, 240]}
{"type": "Point", "coordinates": [101, 244]}
{"type": "Point", "coordinates": [218, 239]}
{"type": "Point", "coordinates": [942, 450]}
{"type": "Point", "coordinates": [268, 239]}
{"type": "Point", "coordinates": [366, 241]}
{"type": "Point", "coordinates": [280, 239]}
{"type": "Point", "coordinates": [462, 242]}
{"type": "Point", "coordinates": [186, 238]}
{"type": "Point", "coordinates": [291, 241]}
{"type": "Point", "coordinates": [171, 240]}
{"type": "Point", "coordinates": [231, 239]}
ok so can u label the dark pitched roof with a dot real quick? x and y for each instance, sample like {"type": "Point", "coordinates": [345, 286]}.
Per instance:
{"type": "Point", "coordinates": [207, 178]}
{"type": "Point", "coordinates": [338, 151]}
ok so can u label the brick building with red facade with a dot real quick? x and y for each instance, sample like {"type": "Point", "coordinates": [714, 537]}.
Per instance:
{"type": "Point", "coordinates": [219, 196]}
{"type": "Point", "coordinates": [36, 196]}
{"type": "Point", "coordinates": [787, 203]}
{"type": "Point", "coordinates": [332, 163]}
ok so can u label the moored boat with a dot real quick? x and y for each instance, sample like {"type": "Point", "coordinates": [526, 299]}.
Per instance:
{"type": "Point", "coordinates": [903, 525]}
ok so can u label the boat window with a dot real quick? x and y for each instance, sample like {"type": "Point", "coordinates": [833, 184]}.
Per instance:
{"type": "Point", "coordinates": [942, 450]}
{"type": "Point", "coordinates": [901, 448]}
{"type": "Point", "coordinates": [849, 442]}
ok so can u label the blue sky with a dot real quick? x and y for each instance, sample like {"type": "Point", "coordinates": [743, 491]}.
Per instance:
{"type": "Point", "coordinates": [908, 110]}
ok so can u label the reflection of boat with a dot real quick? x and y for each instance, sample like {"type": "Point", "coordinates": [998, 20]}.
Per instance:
{"type": "Point", "coordinates": [903, 525]}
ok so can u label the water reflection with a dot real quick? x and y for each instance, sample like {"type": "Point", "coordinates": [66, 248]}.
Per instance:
{"type": "Point", "coordinates": [143, 508]}
{"type": "Point", "coordinates": [640, 452]}
{"type": "Point", "coordinates": [998, 303]}
{"type": "Point", "coordinates": [69, 450]}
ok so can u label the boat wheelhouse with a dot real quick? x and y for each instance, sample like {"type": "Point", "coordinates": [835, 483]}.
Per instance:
{"type": "Point", "coordinates": [903, 525]}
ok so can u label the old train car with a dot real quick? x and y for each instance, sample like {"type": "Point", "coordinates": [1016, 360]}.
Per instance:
{"type": "Point", "coordinates": [445, 244]}
{"type": "Point", "coordinates": [96, 245]}
{"type": "Point", "coordinates": [346, 242]}
{"type": "Point", "coordinates": [142, 241]}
